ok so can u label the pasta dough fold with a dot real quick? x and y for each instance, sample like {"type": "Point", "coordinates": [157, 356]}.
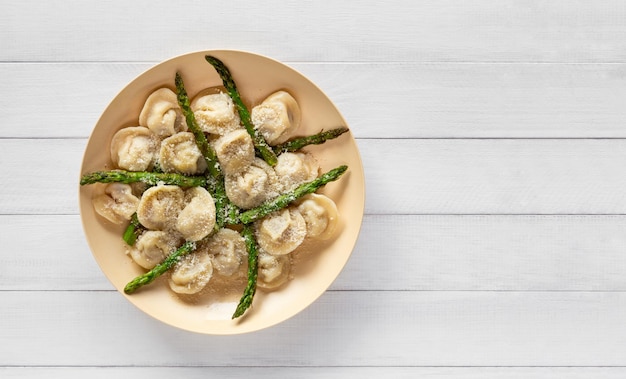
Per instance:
{"type": "Point", "coordinates": [215, 111]}
{"type": "Point", "coordinates": [152, 247]}
{"type": "Point", "coordinates": [252, 186]}
{"type": "Point", "coordinates": [293, 169]}
{"type": "Point", "coordinates": [192, 273]}
{"type": "Point", "coordinates": [228, 251]}
{"type": "Point", "coordinates": [117, 204]}
{"type": "Point", "coordinates": [273, 270]}
{"type": "Point", "coordinates": [277, 117]}
{"type": "Point", "coordinates": [235, 151]}
{"type": "Point", "coordinates": [180, 153]}
{"type": "Point", "coordinates": [197, 219]}
{"type": "Point", "coordinates": [159, 207]}
{"type": "Point", "coordinates": [320, 214]}
{"type": "Point", "coordinates": [162, 114]}
{"type": "Point", "coordinates": [134, 148]}
{"type": "Point", "coordinates": [281, 232]}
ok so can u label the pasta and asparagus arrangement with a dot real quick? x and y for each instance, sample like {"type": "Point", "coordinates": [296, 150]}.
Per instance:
{"type": "Point", "coordinates": [205, 185]}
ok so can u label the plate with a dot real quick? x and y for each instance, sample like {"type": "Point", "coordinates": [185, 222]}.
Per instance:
{"type": "Point", "coordinates": [256, 77]}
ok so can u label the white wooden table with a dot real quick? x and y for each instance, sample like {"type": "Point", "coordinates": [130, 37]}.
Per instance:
{"type": "Point", "coordinates": [493, 136]}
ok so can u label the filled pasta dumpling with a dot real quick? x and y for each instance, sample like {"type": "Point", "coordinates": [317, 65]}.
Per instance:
{"type": "Point", "coordinates": [152, 247]}
{"type": "Point", "coordinates": [191, 273]}
{"type": "Point", "coordinates": [273, 270]}
{"type": "Point", "coordinates": [197, 219]}
{"type": "Point", "coordinates": [159, 207]}
{"type": "Point", "coordinates": [180, 153]}
{"type": "Point", "coordinates": [134, 148]}
{"type": "Point", "coordinates": [252, 186]}
{"type": "Point", "coordinates": [117, 204]}
{"type": "Point", "coordinates": [277, 117]}
{"type": "Point", "coordinates": [293, 169]}
{"type": "Point", "coordinates": [235, 151]}
{"type": "Point", "coordinates": [162, 114]}
{"type": "Point", "coordinates": [227, 249]}
{"type": "Point", "coordinates": [281, 232]}
{"type": "Point", "coordinates": [320, 214]}
{"type": "Point", "coordinates": [215, 111]}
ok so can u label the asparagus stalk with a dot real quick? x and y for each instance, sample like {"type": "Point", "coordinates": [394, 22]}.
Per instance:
{"type": "Point", "coordinates": [264, 150]}
{"type": "Point", "coordinates": [160, 269]}
{"type": "Point", "coordinates": [225, 210]}
{"type": "Point", "coordinates": [298, 143]}
{"type": "Point", "coordinates": [253, 270]}
{"type": "Point", "coordinates": [152, 178]}
{"type": "Point", "coordinates": [132, 231]}
{"type": "Point", "coordinates": [203, 144]}
{"type": "Point", "coordinates": [283, 200]}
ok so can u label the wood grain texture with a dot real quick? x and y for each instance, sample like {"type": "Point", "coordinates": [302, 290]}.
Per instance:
{"type": "Point", "coordinates": [378, 100]}
{"type": "Point", "coordinates": [493, 140]}
{"type": "Point", "coordinates": [451, 30]}
{"type": "Point", "coordinates": [408, 328]}
{"type": "Point", "coordinates": [460, 176]}
{"type": "Point", "coordinates": [428, 253]}
{"type": "Point", "coordinates": [317, 372]}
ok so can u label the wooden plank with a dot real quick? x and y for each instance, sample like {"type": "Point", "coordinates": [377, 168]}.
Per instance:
{"type": "Point", "coordinates": [44, 175]}
{"type": "Point", "coordinates": [315, 372]}
{"type": "Point", "coordinates": [60, 100]}
{"type": "Point", "coordinates": [494, 176]}
{"type": "Point", "coordinates": [47, 252]}
{"type": "Point", "coordinates": [354, 328]}
{"type": "Point", "coordinates": [528, 176]}
{"type": "Point", "coordinates": [503, 253]}
{"type": "Point", "coordinates": [428, 253]}
{"type": "Point", "coordinates": [409, 31]}
{"type": "Point", "coordinates": [395, 100]}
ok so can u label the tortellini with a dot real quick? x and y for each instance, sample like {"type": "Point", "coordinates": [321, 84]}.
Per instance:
{"type": "Point", "coordinates": [197, 219]}
{"type": "Point", "coordinates": [152, 247]}
{"type": "Point", "coordinates": [235, 151]}
{"type": "Point", "coordinates": [117, 204]}
{"type": "Point", "coordinates": [192, 273]}
{"type": "Point", "coordinates": [252, 186]}
{"type": "Point", "coordinates": [281, 232]}
{"type": "Point", "coordinates": [172, 214]}
{"type": "Point", "coordinates": [277, 117]}
{"type": "Point", "coordinates": [180, 153]}
{"type": "Point", "coordinates": [320, 214]}
{"type": "Point", "coordinates": [134, 148]}
{"type": "Point", "coordinates": [273, 270]}
{"type": "Point", "coordinates": [227, 249]}
{"type": "Point", "coordinates": [162, 114]}
{"type": "Point", "coordinates": [215, 112]}
{"type": "Point", "coordinates": [159, 206]}
{"type": "Point", "coordinates": [293, 169]}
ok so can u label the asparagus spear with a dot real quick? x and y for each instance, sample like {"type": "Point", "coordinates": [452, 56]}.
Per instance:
{"type": "Point", "coordinates": [133, 230]}
{"type": "Point", "coordinates": [260, 144]}
{"type": "Point", "coordinates": [152, 178]}
{"type": "Point", "coordinates": [253, 270]}
{"type": "Point", "coordinates": [160, 269]}
{"type": "Point", "coordinates": [226, 212]}
{"type": "Point", "coordinates": [283, 200]}
{"type": "Point", "coordinates": [298, 143]}
{"type": "Point", "coordinates": [203, 144]}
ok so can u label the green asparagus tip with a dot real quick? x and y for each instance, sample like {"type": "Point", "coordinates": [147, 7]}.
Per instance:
{"type": "Point", "coordinates": [132, 231]}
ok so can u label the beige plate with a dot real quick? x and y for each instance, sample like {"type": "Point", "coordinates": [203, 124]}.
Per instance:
{"type": "Point", "coordinates": [256, 77]}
